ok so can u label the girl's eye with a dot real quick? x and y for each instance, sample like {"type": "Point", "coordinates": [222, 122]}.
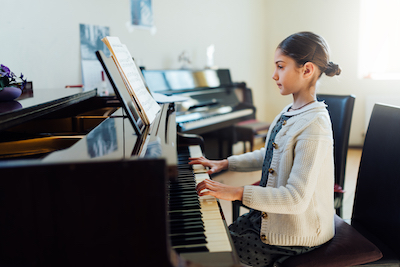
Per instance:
{"type": "Point", "coordinates": [280, 67]}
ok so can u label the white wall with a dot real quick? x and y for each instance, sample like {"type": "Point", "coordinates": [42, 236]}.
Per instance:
{"type": "Point", "coordinates": [41, 39]}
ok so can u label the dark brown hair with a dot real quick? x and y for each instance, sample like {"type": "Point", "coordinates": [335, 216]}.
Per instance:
{"type": "Point", "coordinates": [306, 47]}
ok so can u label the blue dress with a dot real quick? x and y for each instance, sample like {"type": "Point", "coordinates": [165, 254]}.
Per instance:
{"type": "Point", "coordinates": [245, 231]}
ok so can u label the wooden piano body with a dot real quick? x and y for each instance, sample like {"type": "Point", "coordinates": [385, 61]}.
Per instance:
{"type": "Point", "coordinates": [79, 188]}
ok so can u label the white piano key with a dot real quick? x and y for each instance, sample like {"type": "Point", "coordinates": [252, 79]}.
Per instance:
{"type": "Point", "coordinates": [215, 230]}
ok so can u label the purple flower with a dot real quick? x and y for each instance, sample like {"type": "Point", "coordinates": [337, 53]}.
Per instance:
{"type": "Point", "coordinates": [8, 78]}
{"type": "Point", "coordinates": [4, 71]}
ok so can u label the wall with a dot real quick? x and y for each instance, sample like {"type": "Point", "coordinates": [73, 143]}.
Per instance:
{"type": "Point", "coordinates": [41, 39]}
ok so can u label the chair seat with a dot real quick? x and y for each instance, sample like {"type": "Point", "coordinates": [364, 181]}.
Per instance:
{"type": "Point", "coordinates": [254, 125]}
{"type": "Point", "coordinates": [347, 248]}
{"type": "Point", "coordinates": [246, 131]}
{"type": "Point", "coordinates": [250, 129]}
{"type": "Point", "coordinates": [389, 257]}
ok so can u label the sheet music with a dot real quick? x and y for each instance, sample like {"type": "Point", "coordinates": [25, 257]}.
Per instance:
{"type": "Point", "coordinates": [134, 80]}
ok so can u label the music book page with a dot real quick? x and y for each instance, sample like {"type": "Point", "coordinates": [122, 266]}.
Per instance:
{"type": "Point", "coordinates": [133, 80]}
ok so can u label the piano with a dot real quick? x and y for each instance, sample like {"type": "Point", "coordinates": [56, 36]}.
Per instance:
{"type": "Point", "coordinates": [79, 187]}
{"type": "Point", "coordinates": [214, 104]}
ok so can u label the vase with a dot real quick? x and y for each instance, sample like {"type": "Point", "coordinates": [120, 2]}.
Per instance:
{"type": "Point", "coordinates": [9, 93]}
{"type": "Point", "coordinates": [8, 106]}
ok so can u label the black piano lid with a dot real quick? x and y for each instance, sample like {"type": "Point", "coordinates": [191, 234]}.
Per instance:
{"type": "Point", "coordinates": [177, 81]}
{"type": "Point", "coordinates": [45, 102]}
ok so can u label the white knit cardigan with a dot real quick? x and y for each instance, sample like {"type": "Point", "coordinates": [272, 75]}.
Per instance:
{"type": "Point", "coordinates": [298, 199]}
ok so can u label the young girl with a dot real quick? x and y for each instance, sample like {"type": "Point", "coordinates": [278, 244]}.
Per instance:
{"type": "Point", "coordinates": [292, 210]}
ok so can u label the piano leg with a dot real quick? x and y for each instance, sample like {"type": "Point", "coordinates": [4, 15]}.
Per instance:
{"type": "Point", "coordinates": [218, 144]}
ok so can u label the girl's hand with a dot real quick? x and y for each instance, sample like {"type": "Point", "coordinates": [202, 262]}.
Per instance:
{"type": "Point", "coordinates": [219, 190]}
{"type": "Point", "coordinates": [214, 165]}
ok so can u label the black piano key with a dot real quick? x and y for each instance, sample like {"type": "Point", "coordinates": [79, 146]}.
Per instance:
{"type": "Point", "coordinates": [186, 207]}
{"type": "Point", "coordinates": [186, 224]}
{"type": "Point", "coordinates": [181, 206]}
{"type": "Point", "coordinates": [188, 241]}
{"type": "Point", "coordinates": [191, 249]}
{"type": "Point", "coordinates": [186, 201]}
{"type": "Point", "coordinates": [185, 215]}
{"type": "Point", "coordinates": [184, 189]}
{"type": "Point", "coordinates": [183, 182]}
{"type": "Point", "coordinates": [182, 201]}
{"type": "Point", "coordinates": [181, 211]}
{"type": "Point", "coordinates": [185, 177]}
{"type": "Point", "coordinates": [188, 229]}
{"type": "Point", "coordinates": [182, 236]}
{"type": "Point", "coordinates": [183, 192]}
{"type": "Point", "coordinates": [174, 189]}
{"type": "Point", "coordinates": [181, 231]}
{"type": "Point", "coordinates": [180, 223]}
{"type": "Point", "coordinates": [181, 216]}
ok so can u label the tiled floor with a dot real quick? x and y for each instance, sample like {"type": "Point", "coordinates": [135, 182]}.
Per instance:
{"type": "Point", "coordinates": [239, 179]}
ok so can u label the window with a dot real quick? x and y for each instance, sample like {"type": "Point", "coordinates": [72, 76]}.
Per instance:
{"type": "Point", "coordinates": [379, 39]}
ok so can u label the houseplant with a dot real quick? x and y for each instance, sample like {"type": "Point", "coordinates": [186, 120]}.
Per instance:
{"type": "Point", "coordinates": [11, 85]}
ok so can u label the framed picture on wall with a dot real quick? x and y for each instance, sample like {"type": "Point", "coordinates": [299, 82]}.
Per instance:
{"type": "Point", "coordinates": [142, 14]}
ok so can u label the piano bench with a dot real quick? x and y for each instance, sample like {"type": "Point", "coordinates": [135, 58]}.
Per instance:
{"type": "Point", "coordinates": [247, 131]}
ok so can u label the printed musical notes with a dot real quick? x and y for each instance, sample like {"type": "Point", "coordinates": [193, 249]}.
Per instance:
{"type": "Point", "coordinates": [148, 107]}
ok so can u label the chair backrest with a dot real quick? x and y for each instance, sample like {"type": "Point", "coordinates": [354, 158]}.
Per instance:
{"type": "Point", "coordinates": [377, 198]}
{"type": "Point", "coordinates": [340, 109]}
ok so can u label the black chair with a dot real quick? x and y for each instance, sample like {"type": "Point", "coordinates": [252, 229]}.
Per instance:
{"type": "Point", "coordinates": [248, 130]}
{"type": "Point", "coordinates": [376, 209]}
{"type": "Point", "coordinates": [340, 108]}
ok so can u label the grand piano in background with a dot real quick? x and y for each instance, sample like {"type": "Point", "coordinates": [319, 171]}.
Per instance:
{"type": "Point", "coordinates": [214, 104]}
{"type": "Point", "coordinates": [78, 187]}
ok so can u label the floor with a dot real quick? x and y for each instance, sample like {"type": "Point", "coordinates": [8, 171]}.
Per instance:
{"type": "Point", "coordinates": [240, 179]}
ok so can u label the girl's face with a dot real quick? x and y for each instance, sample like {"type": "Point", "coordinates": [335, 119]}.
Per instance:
{"type": "Point", "coordinates": [287, 75]}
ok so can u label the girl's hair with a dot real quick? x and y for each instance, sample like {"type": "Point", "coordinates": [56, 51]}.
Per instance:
{"type": "Point", "coordinates": [306, 47]}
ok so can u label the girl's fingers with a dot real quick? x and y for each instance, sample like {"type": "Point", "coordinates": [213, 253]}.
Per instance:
{"type": "Point", "coordinates": [197, 160]}
{"type": "Point", "coordinates": [201, 186]}
{"type": "Point", "coordinates": [207, 187]}
{"type": "Point", "coordinates": [205, 193]}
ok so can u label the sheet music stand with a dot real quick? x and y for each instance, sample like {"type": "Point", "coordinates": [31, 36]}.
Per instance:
{"type": "Point", "coordinates": [124, 96]}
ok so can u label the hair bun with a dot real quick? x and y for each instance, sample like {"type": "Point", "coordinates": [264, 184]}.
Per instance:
{"type": "Point", "coordinates": [332, 69]}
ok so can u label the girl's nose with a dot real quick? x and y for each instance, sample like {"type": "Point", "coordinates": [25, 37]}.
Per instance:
{"type": "Point", "coordinates": [275, 76]}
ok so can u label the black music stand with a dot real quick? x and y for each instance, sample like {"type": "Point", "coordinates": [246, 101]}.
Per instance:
{"type": "Point", "coordinates": [124, 96]}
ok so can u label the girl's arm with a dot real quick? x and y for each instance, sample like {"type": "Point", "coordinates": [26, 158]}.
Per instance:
{"type": "Point", "coordinates": [251, 161]}
{"type": "Point", "coordinates": [312, 163]}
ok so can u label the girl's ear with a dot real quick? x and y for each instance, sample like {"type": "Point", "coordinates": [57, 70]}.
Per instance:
{"type": "Point", "coordinates": [308, 70]}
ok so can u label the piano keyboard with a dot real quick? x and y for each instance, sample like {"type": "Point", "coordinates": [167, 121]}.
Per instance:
{"type": "Point", "coordinates": [186, 126]}
{"type": "Point", "coordinates": [196, 223]}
